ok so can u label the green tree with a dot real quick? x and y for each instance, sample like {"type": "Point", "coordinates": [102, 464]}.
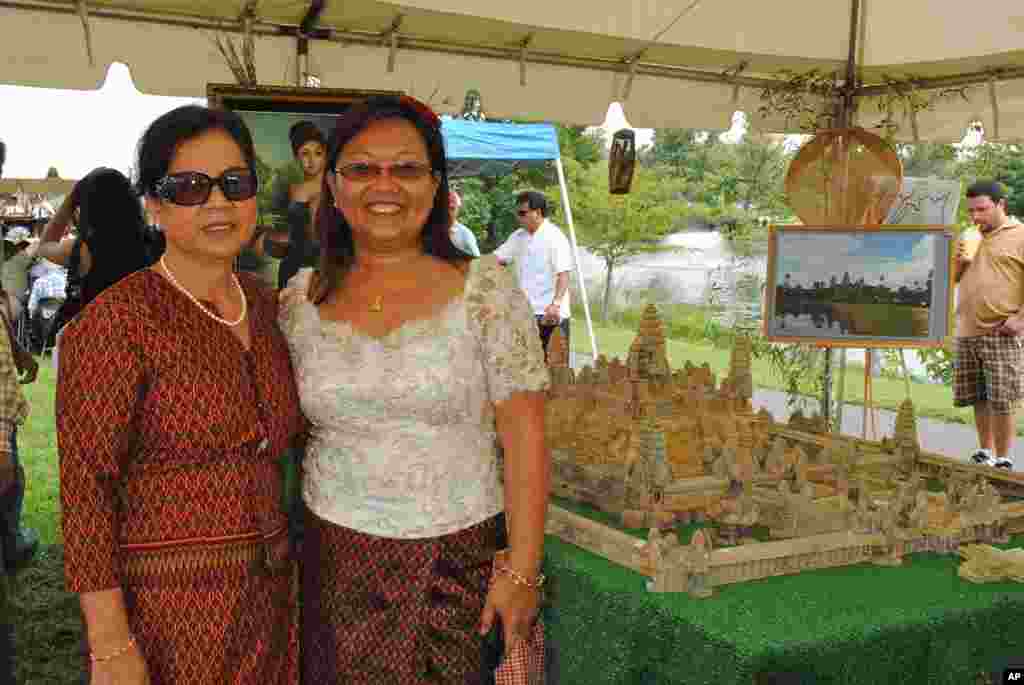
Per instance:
{"type": "Point", "coordinates": [488, 208]}
{"type": "Point", "coordinates": [672, 147]}
{"type": "Point", "coordinates": [759, 165]}
{"type": "Point", "coordinates": [575, 142]}
{"type": "Point", "coordinates": [1001, 162]}
{"type": "Point", "coordinates": [617, 227]}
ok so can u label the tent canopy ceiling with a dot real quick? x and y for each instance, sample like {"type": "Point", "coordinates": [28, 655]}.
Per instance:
{"type": "Point", "coordinates": [695, 61]}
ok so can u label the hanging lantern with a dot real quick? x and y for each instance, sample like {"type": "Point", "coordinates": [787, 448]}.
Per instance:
{"type": "Point", "coordinates": [621, 162]}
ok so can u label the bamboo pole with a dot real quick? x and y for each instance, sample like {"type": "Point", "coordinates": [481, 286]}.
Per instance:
{"type": "Point", "coordinates": [906, 374]}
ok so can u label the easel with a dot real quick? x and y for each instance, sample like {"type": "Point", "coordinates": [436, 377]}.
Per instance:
{"type": "Point", "coordinates": [869, 426]}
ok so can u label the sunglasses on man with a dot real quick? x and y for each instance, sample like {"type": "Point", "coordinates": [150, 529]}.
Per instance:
{"type": "Point", "coordinates": [191, 188]}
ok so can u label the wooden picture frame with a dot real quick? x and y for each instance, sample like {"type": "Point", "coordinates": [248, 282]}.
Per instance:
{"type": "Point", "coordinates": [879, 286]}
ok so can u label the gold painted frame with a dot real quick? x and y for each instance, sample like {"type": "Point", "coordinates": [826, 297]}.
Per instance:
{"type": "Point", "coordinates": [856, 315]}
{"type": "Point", "coordinates": [284, 98]}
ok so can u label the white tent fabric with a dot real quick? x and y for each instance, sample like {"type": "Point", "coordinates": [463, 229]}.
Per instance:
{"type": "Point", "coordinates": [688, 63]}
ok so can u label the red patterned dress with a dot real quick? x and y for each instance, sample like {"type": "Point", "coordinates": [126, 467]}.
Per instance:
{"type": "Point", "coordinates": [169, 434]}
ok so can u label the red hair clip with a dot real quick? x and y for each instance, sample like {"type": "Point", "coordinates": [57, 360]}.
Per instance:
{"type": "Point", "coordinates": [425, 113]}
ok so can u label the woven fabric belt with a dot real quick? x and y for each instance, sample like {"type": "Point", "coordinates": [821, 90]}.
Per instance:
{"type": "Point", "coordinates": [205, 559]}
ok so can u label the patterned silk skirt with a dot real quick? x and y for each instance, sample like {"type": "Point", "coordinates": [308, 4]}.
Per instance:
{"type": "Point", "coordinates": [210, 612]}
{"type": "Point", "coordinates": [384, 611]}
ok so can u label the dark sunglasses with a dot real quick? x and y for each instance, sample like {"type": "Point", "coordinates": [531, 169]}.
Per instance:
{"type": "Point", "coordinates": [190, 188]}
{"type": "Point", "coordinates": [364, 172]}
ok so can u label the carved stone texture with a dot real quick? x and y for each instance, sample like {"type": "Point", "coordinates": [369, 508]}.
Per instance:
{"type": "Point", "coordinates": [595, 423]}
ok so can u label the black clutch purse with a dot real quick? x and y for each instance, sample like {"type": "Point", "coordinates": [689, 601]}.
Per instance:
{"type": "Point", "coordinates": [494, 641]}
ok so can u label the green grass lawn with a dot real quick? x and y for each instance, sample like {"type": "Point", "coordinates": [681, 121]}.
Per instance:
{"type": "Point", "coordinates": [930, 399]}
{"type": "Point", "coordinates": [37, 449]}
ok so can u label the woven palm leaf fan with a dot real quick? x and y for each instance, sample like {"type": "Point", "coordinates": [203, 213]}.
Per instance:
{"type": "Point", "coordinates": [844, 177]}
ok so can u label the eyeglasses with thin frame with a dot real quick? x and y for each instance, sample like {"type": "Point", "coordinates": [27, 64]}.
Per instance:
{"type": "Point", "coordinates": [364, 172]}
{"type": "Point", "coordinates": [191, 188]}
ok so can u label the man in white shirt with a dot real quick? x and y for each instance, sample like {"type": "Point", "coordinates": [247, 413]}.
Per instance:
{"type": "Point", "coordinates": [543, 261]}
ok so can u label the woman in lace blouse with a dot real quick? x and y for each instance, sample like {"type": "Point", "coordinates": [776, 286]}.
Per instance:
{"type": "Point", "coordinates": [414, 364]}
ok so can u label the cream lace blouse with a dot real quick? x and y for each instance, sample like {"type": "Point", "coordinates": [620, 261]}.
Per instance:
{"type": "Point", "coordinates": [403, 443]}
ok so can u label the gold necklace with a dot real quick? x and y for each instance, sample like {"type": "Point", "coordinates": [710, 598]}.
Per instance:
{"type": "Point", "coordinates": [196, 302]}
{"type": "Point", "coordinates": [377, 305]}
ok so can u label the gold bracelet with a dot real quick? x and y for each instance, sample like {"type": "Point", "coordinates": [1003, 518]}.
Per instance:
{"type": "Point", "coordinates": [113, 655]}
{"type": "Point", "coordinates": [519, 579]}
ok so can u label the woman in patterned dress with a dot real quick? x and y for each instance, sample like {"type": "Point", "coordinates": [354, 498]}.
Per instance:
{"type": "Point", "coordinates": [414, 363]}
{"type": "Point", "coordinates": [175, 396]}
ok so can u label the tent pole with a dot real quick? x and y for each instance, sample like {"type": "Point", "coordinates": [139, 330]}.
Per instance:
{"type": "Point", "coordinates": [575, 253]}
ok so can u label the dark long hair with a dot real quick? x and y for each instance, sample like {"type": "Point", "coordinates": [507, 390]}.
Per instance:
{"type": "Point", "coordinates": [337, 248]}
{"type": "Point", "coordinates": [113, 225]}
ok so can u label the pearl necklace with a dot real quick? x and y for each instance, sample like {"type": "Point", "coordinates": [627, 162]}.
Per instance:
{"type": "Point", "coordinates": [196, 302]}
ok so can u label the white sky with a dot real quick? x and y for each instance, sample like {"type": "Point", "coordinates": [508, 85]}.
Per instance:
{"type": "Point", "coordinates": [76, 130]}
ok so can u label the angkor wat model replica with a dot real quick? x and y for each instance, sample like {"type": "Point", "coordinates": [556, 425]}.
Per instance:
{"type": "Point", "coordinates": [658, 448]}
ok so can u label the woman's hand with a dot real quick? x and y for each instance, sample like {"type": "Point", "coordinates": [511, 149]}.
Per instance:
{"type": "Point", "coordinates": [126, 669]}
{"type": "Point", "coordinates": [514, 605]}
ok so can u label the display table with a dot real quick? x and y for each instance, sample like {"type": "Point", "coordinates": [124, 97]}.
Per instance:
{"type": "Point", "coordinates": [864, 625]}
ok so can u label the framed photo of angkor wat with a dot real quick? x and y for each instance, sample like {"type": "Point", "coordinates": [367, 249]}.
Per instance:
{"type": "Point", "coordinates": [878, 286]}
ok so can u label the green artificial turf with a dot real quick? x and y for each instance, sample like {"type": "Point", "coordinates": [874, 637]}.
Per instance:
{"type": "Point", "coordinates": [864, 624]}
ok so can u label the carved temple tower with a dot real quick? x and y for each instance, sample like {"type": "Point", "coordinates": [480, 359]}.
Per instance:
{"type": "Point", "coordinates": [648, 371]}
{"type": "Point", "coordinates": [905, 432]}
{"type": "Point", "coordinates": [740, 377]}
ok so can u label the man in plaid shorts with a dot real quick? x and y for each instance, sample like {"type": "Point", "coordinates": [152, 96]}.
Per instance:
{"type": "Point", "coordinates": [989, 353]}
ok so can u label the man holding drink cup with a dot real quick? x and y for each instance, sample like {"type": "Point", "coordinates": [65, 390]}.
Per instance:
{"type": "Point", "coordinates": [988, 371]}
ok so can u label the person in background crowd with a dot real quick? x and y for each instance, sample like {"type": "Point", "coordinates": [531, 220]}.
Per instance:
{"type": "Point", "coordinates": [543, 259]}
{"type": "Point", "coordinates": [413, 362]}
{"type": "Point", "coordinates": [17, 543]}
{"type": "Point", "coordinates": [462, 236]}
{"type": "Point", "coordinates": [19, 251]}
{"type": "Point", "coordinates": [115, 239]}
{"type": "Point", "coordinates": [988, 368]}
{"type": "Point", "coordinates": [175, 398]}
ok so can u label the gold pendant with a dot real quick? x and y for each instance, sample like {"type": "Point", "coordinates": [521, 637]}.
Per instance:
{"type": "Point", "coordinates": [377, 306]}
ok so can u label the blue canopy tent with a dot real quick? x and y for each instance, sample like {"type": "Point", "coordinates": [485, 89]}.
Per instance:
{"type": "Point", "coordinates": [483, 148]}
